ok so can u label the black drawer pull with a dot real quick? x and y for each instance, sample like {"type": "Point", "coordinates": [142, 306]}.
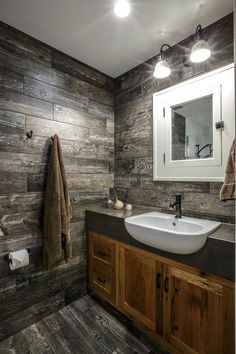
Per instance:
{"type": "Point", "coordinates": [166, 284]}
{"type": "Point", "coordinates": [103, 281]}
{"type": "Point", "coordinates": [158, 281]}
{"type": "Point", "coordinates": [101, 253]}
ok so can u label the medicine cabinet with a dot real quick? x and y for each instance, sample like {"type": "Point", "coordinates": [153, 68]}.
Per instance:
{"type": "Point", "coordinates": [193, 127]}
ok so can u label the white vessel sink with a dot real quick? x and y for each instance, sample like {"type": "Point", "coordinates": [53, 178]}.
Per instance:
{"type": "Point", "coordinates": [165, 232]}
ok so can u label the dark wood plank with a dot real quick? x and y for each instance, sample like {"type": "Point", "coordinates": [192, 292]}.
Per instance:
{"type": "Point", "coordinates": [30, 68]}
{"type": "Point", "coordinates": [12, 122]}
{"type": "Point", "coordinates": [50, 93]}
{"type": "Point", "coordinates": [80, 118]}
{"type": "Point", "coordinates": [12, 183]}
{"type": "Point", "coordinates": [48, 128]}
{"type": "Point", "coordinates": [30, 315]}
{"type": "Point", "coordinates": [16, 345]}
{"type": "Point", "coordinates": [16, 102]}
{"type": "Point", "coordinates": [75, 68]}
{"type": "Point", "coordinates": [23, 202]}
{"type": "Point", "coordinates": [22, 44]}
{"type": "Point", "coordinates": [20, 162]}
{"type": "Point", "coordinates": [75, 85]}
{"type": "Point", "coordinates": [11, 80]}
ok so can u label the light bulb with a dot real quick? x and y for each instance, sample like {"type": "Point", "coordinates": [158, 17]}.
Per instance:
{"type": "Point", "coordinates": [122, 8]}
{"type": "Point", "coordinates": [200, 51]}
{"type": "Point", "coordinates": [162, 69]}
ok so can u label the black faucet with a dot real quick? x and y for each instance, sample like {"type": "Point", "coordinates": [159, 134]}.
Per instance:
{"type": "Point", "coordinates": [177, 205]}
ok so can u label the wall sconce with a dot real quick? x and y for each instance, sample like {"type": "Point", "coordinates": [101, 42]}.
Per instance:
{"type": "Point", "coordinates": [200, 52]}
{"type": "Point", "coordinates": [162, 68]}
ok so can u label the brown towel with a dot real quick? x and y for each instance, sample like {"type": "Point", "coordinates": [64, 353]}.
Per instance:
{"type": "Point", "coordinates": [57, 210]}
{"type": "Point", "coordinates": [227, 191]}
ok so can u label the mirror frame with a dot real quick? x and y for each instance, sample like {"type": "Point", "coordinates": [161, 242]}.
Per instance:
{"type": "Point", "coordinates": [220, 84]}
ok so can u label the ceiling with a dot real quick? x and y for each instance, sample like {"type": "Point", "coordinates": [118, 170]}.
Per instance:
{"type": "Point", "coordinates": [89, 31]}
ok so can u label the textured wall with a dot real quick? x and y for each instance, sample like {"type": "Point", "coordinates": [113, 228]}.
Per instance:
{"type": "Point", "coordinates": [133, 128]}
{"type": "Point", "coordinates": [46, 91]}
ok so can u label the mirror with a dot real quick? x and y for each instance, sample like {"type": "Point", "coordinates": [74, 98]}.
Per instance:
{"type": "Point", "coordinates": [193, 127]}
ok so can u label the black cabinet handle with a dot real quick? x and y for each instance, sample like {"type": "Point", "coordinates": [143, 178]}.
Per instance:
{"type": "Point", "coordinates": [103, 281]}
{"type": "Point", "coordinates": [158, 281]}
{"type": "Point", "coordinates": [101, 253]}
{"type": "Point", "coordinates": [166, 283]}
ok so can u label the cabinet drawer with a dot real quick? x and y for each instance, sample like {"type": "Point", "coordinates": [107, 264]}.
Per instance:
{"type": "Point", "coordinates": [102, 280]}
{"type": "Point", "coordinates": [102, 266]}
{"type": "Point", "coordinates": [102, 249]}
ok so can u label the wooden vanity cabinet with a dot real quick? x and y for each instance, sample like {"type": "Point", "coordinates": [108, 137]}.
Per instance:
{"type": "Point", "coordinates": [187, 311]}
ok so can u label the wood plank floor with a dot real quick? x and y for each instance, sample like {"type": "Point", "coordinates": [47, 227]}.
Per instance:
{"type": "Point", "coordinates": [87, 326]}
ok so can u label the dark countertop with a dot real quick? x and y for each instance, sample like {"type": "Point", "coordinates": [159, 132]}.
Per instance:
{"type": "Point", "coordinates": [217, 257]}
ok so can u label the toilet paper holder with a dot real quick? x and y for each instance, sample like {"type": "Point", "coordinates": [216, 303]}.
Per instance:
{"type": "Point", "coordinates": [9, 261]}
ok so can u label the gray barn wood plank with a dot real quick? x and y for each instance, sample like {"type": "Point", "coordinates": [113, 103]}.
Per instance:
{"type": "Point", "coordinates": [50, 93]}
{"type": "Point", "coordinates": [11, 122]}
{"type": "Point", "coordinates": [16, 102]}
{"type": "Point", "coordinates": [22, 44]}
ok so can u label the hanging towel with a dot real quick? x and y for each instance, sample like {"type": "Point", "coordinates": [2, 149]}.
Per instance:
{"type": "Point", "coordinates": [57, 210]}
{"type": "Point", "coordinates": [227, 191]}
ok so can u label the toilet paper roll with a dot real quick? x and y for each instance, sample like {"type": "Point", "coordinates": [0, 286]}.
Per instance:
{"type": "Point", "coordinates": [18, 259]}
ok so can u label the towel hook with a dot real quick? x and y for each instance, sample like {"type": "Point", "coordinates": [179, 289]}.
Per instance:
{"type": "Point", "coordinates": [29, 134]}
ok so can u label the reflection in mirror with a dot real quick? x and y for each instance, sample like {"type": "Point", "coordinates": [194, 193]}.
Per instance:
{"type": "Point", "coordinates": [192, 129]}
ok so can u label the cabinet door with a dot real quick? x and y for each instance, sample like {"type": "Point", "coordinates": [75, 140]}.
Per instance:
{"type": "Point", "coordinates": [138, 286]}
{"type": "Point", "coordinates": [194, 317]}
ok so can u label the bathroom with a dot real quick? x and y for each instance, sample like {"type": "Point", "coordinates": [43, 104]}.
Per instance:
{"type": "Point", "coordinates": [80, 89]}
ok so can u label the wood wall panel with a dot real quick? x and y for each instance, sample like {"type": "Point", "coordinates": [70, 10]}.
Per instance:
{"type": "Point", "coordinates": [133, 126]}
{"type": "Point", "coordinates": [44, 90]}
{"type": "Point", "coordinates": [47, 92]}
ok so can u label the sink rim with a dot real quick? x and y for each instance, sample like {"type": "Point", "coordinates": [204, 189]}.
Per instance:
{"type": "Point", "coordinates": [207, 225]}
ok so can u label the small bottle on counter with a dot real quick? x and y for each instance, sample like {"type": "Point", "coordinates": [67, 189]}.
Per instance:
{"type": "Point", "coordinates": [128, 207]}
{"type": "Point", "coordinates": [108, 202]}
{"type": "Point", "coordinates": [118, 204]}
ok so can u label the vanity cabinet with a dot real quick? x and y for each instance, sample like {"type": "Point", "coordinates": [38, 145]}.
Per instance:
{"type": "Point", "coordinates": [186, 311]}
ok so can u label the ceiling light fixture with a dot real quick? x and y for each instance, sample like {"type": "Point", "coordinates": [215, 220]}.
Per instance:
{"type": "Point", "coordinates": [201, 50]}
{"type": "Point", "coordinates": [162, 68]}
{"type": "Point", "coordinates": [122, 8]}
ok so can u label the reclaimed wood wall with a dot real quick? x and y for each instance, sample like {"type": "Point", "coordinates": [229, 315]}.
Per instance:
{"type": "Point", "coordinates": [133, 128]}
{"type": "Point", "coordinates": [44, 90]}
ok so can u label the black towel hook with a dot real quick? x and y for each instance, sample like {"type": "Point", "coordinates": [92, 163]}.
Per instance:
{"type": "Point", "coordinates": [29, 134]}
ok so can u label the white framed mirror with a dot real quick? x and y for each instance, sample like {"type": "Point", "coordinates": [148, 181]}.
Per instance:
{"type": "Point", "coordinates": [193, 127]}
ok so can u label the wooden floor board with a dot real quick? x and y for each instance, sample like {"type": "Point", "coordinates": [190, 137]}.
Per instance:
{"type": "Point", "coordinates": [87, 326]}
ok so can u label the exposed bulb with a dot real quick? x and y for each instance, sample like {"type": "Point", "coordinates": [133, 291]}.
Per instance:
{"type": "Point", "coordinates": [162, 69]}
{"type": "Point", "coordinates": [200, 51]}
{"type": "Point", "coordinates": [122, 8]}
